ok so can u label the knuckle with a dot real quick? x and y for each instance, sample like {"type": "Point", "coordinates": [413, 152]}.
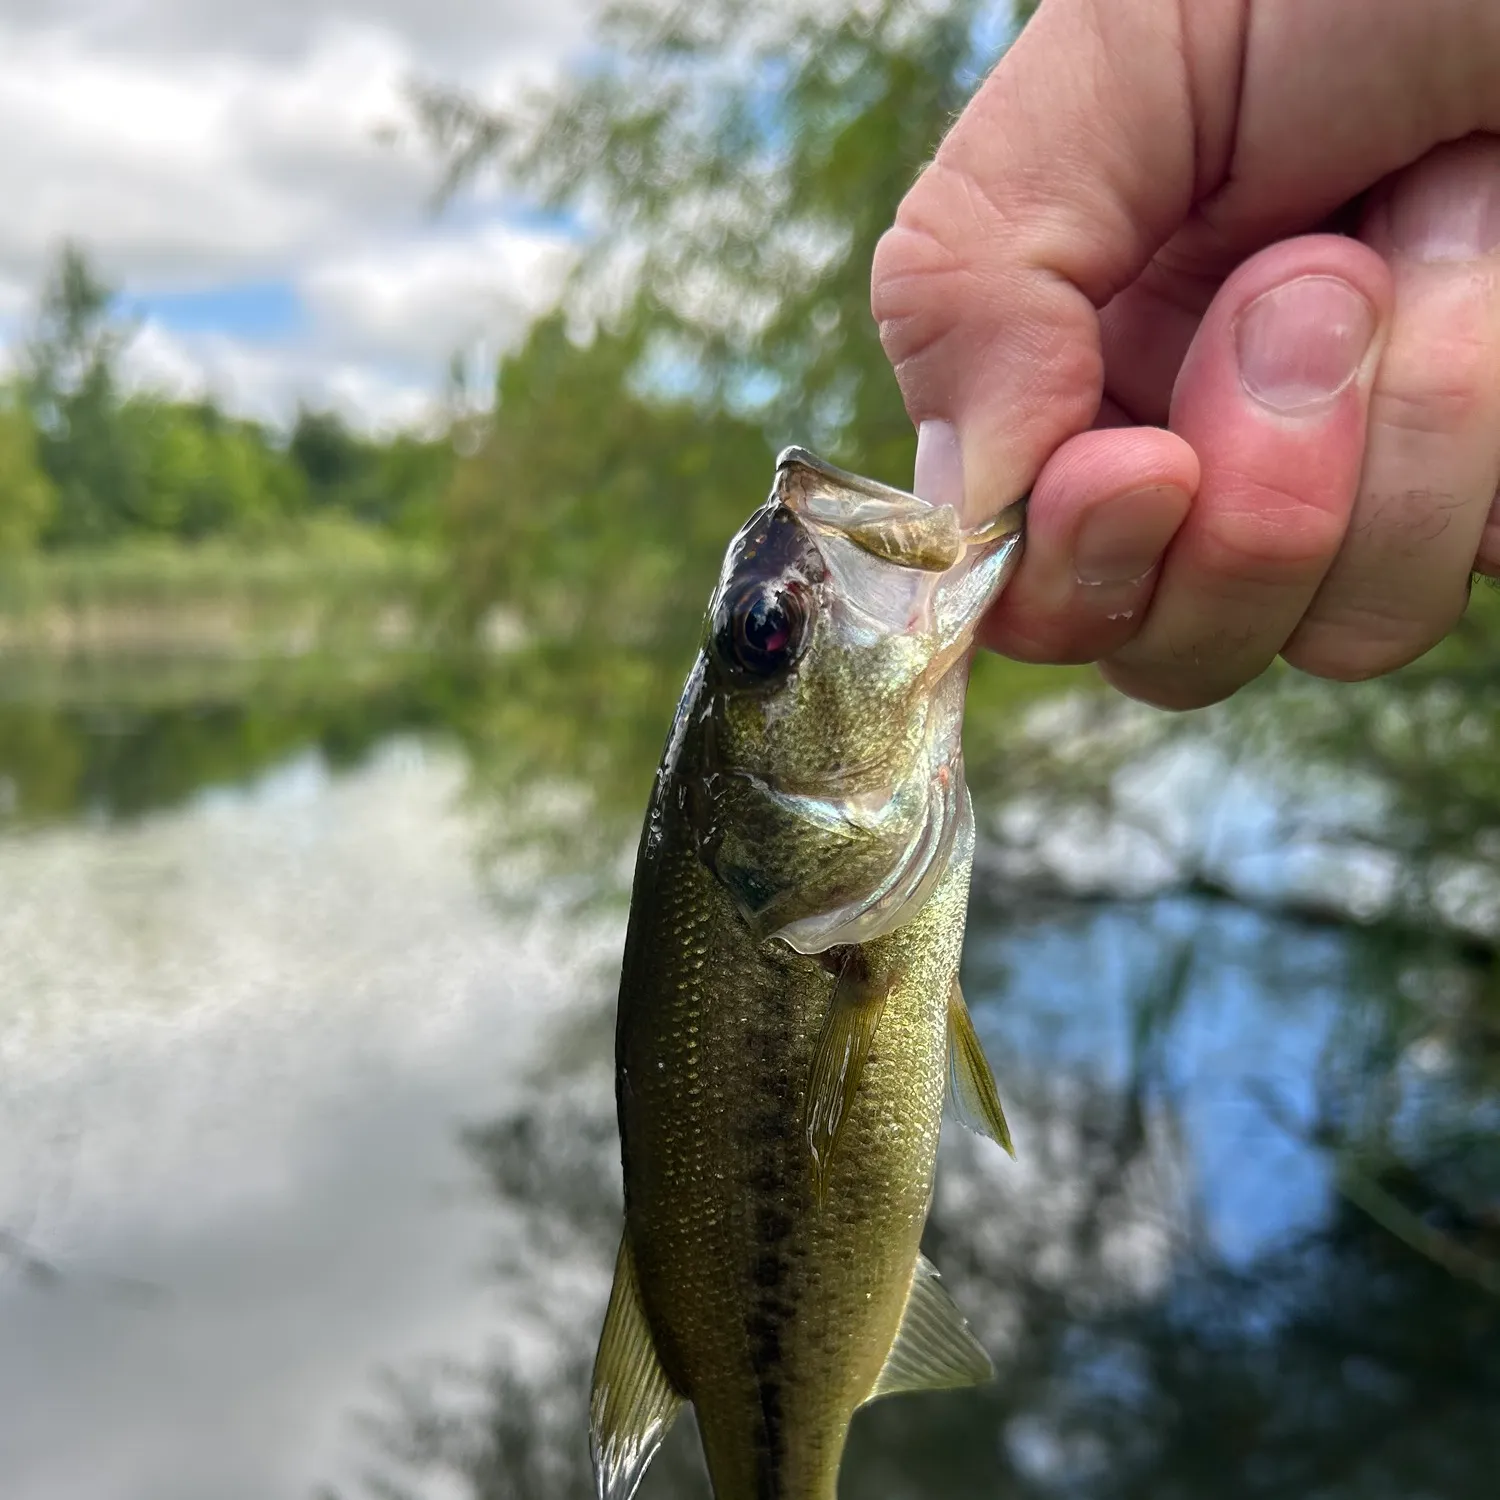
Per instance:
{"type": "Point", "coordinates": [1269, 538]}
{"type": "Point", "coordinates": [964, 322]}
{"type": "Point", "coordinates": [923, 262]}
{"type": "Point", "coordinates": [1454, 396]}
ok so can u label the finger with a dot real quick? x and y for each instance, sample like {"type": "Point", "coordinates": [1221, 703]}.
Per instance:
{"type": "Point", "coordinates": [1101, 515]}
{"type": "Point", "coordinates": [1031, 217]}
{"type": "Point", "coordinates": [1109, 130]}
{"type": "Point", "coordinates": [1272, 397]}
{"type": "Point", "coordinates": [1488, 560]}
{"type": "Point", "coordinates": [1432, 452]}
{"type": "Point", "coordinates": [1405, 76]}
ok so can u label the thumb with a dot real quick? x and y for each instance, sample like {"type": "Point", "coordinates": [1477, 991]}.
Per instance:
{"type": "Point", "coordinates": [1070, 167]}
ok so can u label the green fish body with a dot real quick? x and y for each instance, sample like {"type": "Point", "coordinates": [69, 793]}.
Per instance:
{"type": "Point", "coordinates": [789, 1015]}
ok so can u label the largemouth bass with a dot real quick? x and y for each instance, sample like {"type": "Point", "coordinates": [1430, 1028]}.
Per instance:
{"type": "Point", "coordinates": [789, 1012]}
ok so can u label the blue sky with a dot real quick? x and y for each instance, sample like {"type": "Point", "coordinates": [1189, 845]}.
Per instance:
{"type": "Point", "coordinates": [252, 310]}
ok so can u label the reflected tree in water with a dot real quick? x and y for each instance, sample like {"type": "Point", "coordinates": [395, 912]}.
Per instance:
{"type": "Point", "coordinates": [1141, 1351]}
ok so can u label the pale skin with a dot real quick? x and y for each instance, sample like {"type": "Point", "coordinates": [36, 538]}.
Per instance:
{"type": "Point", "coordinates": [1245, 435]}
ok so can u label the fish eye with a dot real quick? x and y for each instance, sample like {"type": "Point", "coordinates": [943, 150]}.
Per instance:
{"type": "Point", "coordinates": [767, 628]}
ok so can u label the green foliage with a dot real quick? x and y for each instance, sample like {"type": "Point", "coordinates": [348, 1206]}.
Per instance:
{"type": "Point", "coordinates": [71, 381]}
{"type": "Point", "coordinates": [397, 483]}
{"type": "Point", "coordinates": [593, 510]}
{"type": "Point", "coordinates": [745, 158]}
{"type": "Point", "coordinates": [202, 473]}
{"type": "Point", "coordinates": [114, 465]}
{"type": "Point", "coordinates": [27, 497]}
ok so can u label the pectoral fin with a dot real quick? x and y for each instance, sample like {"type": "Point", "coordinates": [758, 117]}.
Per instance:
{"type": "Point", "coordinates": [934, 1350]}
{"type": "Point", "coordinates": [839, 1060]}
{"type": "Point", "coordinates": [971, 1085]}
{"type": "Point", "coordinates": [633, 1403]}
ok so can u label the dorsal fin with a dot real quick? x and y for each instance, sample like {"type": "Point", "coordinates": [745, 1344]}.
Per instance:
{"type": "Point", "coordinates": [633, 1403]}
{"type": "Point", "coordinates": [934, 1351]}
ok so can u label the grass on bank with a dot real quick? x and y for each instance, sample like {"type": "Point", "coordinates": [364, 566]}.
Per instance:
{"type": "Point", "coordinates": [282, 595]}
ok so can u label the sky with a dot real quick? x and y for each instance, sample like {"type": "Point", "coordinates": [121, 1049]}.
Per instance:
{"type": "Point", "coordinates": [229, 165]}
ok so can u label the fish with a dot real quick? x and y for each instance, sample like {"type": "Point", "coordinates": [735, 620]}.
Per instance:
{"type": "Point", "coordinates": [790, 1020]}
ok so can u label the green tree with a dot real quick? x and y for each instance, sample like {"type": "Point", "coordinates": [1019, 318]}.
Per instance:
{"type": "Point", "coordinates": [594, 510]}
{"type": "Point", "coordinates": [745, 158]}
{"type": "Point", "coordinates": [118, 463]}
{"type": "Point", "coordinates": [27, 498]}
{"type": "Point", "coordinates": [335, 461]}
{"type": "Point", "coordinates": [413, 475]}
{"type": "Point", "coordinates": [205, 473]}
{"type": "Point", "coordinates": [396, 482]}
{"type": "Point", "coordinates": [70, 375]}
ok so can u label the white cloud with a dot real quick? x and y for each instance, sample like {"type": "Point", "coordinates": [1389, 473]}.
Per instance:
{"type": "Point", "coordinates": [427, 299]}
{"type": "Point", "coordinates": [384, 325]}
{"type": "Point", "coordinates": [191, 144]}
{"type": "Point", "coordinates": [455, 33]}
{"type": "Point", "coordinates": [268, 381]}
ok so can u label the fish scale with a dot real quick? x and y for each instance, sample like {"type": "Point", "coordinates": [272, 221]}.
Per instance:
{"type": "Point", "coordinates": [779, 1109]}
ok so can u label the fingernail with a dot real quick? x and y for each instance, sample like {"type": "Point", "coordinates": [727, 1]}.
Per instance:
{"type": "Point", "coordinates": [1124, 538]}
{"type": "Point", "coordinates": [1447, 210]}
{"type": "Point", "coordinates": [939, 474]}
{"type": "Point", "coordinates": [1301, 343]}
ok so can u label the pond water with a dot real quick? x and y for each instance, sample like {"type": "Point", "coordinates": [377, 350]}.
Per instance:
{"type": "Point", "coordinates": [308, 1177]}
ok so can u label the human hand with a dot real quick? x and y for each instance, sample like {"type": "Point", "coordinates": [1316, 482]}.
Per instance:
{"type": "Point", "coordinates": [1127, 226]}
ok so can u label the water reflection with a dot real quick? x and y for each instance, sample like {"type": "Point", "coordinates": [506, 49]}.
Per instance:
{"type": "Point", "coordinates": [237, 1041]}
{"type": "Point", "coordinates": [1182, 1292]}
{"type": "Point", "coordinates": [308, 1176]}
{"type": "Point", "coordinates": [116, 739]}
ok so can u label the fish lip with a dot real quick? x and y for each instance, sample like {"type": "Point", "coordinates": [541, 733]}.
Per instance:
{"type": "Point", "coordinates": [789, 460]}
{"type": "Point", "coordinates": [1009, 520]}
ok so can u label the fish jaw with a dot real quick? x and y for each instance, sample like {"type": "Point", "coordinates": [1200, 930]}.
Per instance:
{"type": "Point", "coordinates": [899, 561]}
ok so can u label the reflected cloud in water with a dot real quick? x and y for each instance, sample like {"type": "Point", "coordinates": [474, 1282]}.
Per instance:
{"type": "Point", "coordinates": [237, 1039]}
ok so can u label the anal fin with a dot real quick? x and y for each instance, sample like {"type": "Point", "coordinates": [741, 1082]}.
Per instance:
{"type": "Point", "coordinates": [971, 1085]}
{"type": "Point", "coordinates": [633, 1403]}
{"type": "Point", "coordinates": [934, 1350]}
{"type": "Point", "coordinates": [839, 1059]}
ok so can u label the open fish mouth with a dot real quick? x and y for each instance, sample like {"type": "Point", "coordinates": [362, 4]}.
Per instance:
{"type": "Point", "coordinates": [898, 562]}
